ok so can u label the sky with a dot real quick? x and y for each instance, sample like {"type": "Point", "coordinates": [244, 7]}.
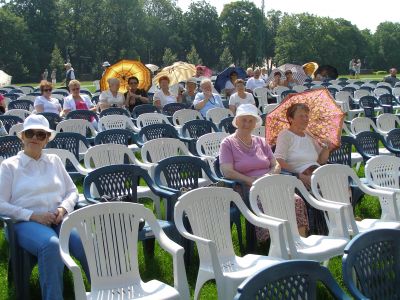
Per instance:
{"type": "Point", "coordinates": [363, 13]}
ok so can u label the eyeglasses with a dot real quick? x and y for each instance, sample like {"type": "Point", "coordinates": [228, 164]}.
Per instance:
{"type": "Point", "coordinates": [40, 135]}
{"type": "Point", "coordinates": [47, 90]}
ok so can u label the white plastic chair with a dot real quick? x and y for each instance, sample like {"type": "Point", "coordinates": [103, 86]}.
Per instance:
{"type": "Point", "coordinates": [27, 97]}
{"type": "Point", "coordinates": [207, 146]}
{"type": "Point", "coordinates": [158, 149]}
{"type": "Point", "coordinates": [335, 86]}
{"type": "Point", "coordinates": [361, 124]}
{"type": "Point", "coordinates": [76, 125]}
{"type": "Point", "coordinates": [360, 93]}
{"type": "Point", "coordinates": [109, 234]}
{"type": "Point", "coordinates": [277, 92]}
{"type": "Point", "coordinates": [260, 131]}
{"type": "Point", "coordinates": [396, 92]}
{"type": "Point", "coordinates": [380, 91]}
{"type": "Point", "coordinates": [65, 156]}
{"type": "Point", "coordinates": [262, 95]}
{"type": "Point", "coordinates": [331, 183]}
{"type": "Point", "coordinates": [217, 114]}
{"type": "Point", "coordinates": [344, 98]}
{"type": "Point", "coordinates": [382, 83]}
{"type": "Point", "coordinates": [16, 128]}
{"type": "Point", "coordinates": [207, 210]}
{"type": "Point", "coordinates": [114, 154]}
{"type": "Point", "coordinates": [115, 122]}
{"type": "Point", "coordinates": [182, 116]}
{"type": "Point", "coordinates": [266, 109]}
{"type": "Point", "coordinates": [299, 88]}
{"type": "Point", "coordinates": [21, 113]}
{"type": "Point", "coordinates": [387, 122]}
{"type": "Point", "coordinates": [58, 97]}
{"type": "Point", "coordinates": [149, 119]}
{"type": "Point", "coordinates": [276, 194]}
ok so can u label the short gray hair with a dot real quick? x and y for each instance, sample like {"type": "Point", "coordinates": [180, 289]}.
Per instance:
{"type": "Point", "coordinates": [204, 81]}
{"type": "Point", "coordinates": [112, 80]}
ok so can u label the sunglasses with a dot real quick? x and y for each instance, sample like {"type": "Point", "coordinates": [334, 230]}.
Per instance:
{"type": "Point", "coordinates": [47, 90]}
{"type": "Point", "coordinates": [40, 135]}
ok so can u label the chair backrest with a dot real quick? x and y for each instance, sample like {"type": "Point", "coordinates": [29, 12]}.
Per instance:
{"type": "Point", "coordinates": [157, 131]}
{"type": "Point", "coordinates": [115, 136]}
{"type": "Point", "coordinates": [260, 131]}
{"type": "Point", "coordinates": [333, 91]}
{"type": "Point", "coordinates": [170, 108]}
{"type": "Point", "coordinates": [208, 145]}
{"type": "Point", "coordinates": [109, 234]}
{"type": "Point", "coordinates": [361, 93]}
{"type": "Point", "coordinates": [114, 181]}
{"type": "Point", "coordinates": [217, 114]}
{"type": "Point", "coordinates": [387, 99]}
{"type": "Point", "coordinates": [361, 124]}
{"type": "Point", "coordinates": [369, 101]}
{"type": "Point", "coordinates": [196, 128]}
{"type": "Point", "coordinates": [343, 96]}
{"type": "Point", "coordinates": [299, 88]}
{"type": "Point", "coordinates": [21, 113]}
{"type": "Point", "coordinates": [293, 279]}
{"type": "Point", "coordinates": [143, 108]}
{"type": "Point", "coordinates": [226, 125]}
{"type": "Point", "coordinates": [158, 149]}
{"type": "Point", "coordinates": [371, 265]}
{"type": "Point", "coordinates": [342, 155]}
{"type": "Point", "coordinates": [286, 93]}
{"type": "Point", "coordinates": [381, 91]}
{"type": "Point", "coordinates": [21, 104]}
{"type": "Point", "coordinates": [53, 119]}
{"type": "Point", "coordinates": [28, 97]}
{"type": "Point", "coordinates": [207, 210]}
{"type": "Point", "coordinates": [16, 128]}
{"type": "Point", "coordinates": [70, 162]}
{"type": "Point", "coordinates": [10, 146]}
{"type": "Point", "coordinates": [71, 141]}
{"type": "Point", "coordinates": [383, 171]}
{"type": "Point", "coordinates": [82, 114]}
{"type": "Point", "coordinates": [261, 93]}
{"type": "Point", "coordinates": [368, 142]}
{"type": "Point", "coordinates": [387, 122]}
{"type": "Point", "coordinates": [9, 121]}
{"type": "Point", "coordinates": [367, 87]}
{"type": "Point", "coordinates": [115, 122]}
{"type": "Point", "coordinates": [382, 83]}
{"type": "Point", "coordinates": [180, 171]}
{"type": "Point", "coordinates": [349, 89]}
{"type": "Point", "coordinates": [108, 154]}
{"type": "Point", "coordinates": [393, 138]}
{"type": "Point", "coordinates": [114, 111]}
{"type": "Point", "coordinates": [81, 126]}
{"type": "Point", "coordinates": [181, 116]}
{"type": "Point", "coordinates": [151, 118]}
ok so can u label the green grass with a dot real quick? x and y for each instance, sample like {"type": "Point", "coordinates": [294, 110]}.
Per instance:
{"type": "Point", "coordinates": [160, 266]}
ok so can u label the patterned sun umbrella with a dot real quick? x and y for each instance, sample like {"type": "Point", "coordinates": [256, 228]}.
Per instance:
{"type": "Point", "coordinates": [310, 68]}
{"type": "Point", "coordinates": [326, 117]}
{"type": "Point", "coordinates": [297, 71]}
{"type": "Point", "coordinates": [152, 67]}
{"type": "Point", "coordinates": [179, 71]}
{"type": "Point", "coordinates": [125, 69]}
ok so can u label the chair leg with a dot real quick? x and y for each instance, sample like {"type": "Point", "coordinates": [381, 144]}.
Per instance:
{"type": "Point", "coordinates": [202, 278]}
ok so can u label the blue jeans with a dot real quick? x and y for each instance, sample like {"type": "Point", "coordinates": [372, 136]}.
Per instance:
{"type": "Point", "coordinates": [42, 242]}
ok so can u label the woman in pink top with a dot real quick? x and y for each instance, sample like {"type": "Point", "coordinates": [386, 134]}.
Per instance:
{"type": "Point", "coordinates": [246, 157]}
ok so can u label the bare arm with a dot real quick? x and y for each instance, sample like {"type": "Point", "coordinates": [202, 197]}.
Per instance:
{"type": "Point", "coordinates": [104, 105]}
{"type": "Point", "coordinates": [233, 108]}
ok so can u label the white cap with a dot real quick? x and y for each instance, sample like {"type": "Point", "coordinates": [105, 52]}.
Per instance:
{"type": "Point", "coordinates": [37, 122]}
{"type": "Point", "coordinates": [106, 64]}
{"type": "Point", "coordinates": [247, 110]}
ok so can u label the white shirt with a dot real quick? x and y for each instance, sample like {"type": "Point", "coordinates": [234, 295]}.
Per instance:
{"type": "Point", "coordinates": [52, 105]}
{"type": "Point", "coordinates": [236, 100]}
{"type": "Point", "coordinates": [69, 102]}
{"type": "Point", "coordinates": [35, 186]}
{"type": "Point", "coordinates": [299, 152]}
{"type": "Point", "coordinates": [108, 97]}
{"type": "Point", "coordinates": [164, 99]}
{"type": "Point", "coordinates": [229, 85]}
{"type": "Point", "coordinates": [253, 83]}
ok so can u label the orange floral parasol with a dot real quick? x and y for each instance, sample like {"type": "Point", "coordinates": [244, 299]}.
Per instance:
{"type": "Point", "coordinates": [326, 117]}
{"type": "Point", "coordinates": [125, 69]}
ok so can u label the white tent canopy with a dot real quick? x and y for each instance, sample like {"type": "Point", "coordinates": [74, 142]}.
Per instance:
{"type": "Point", "coordinates": [5, 79]}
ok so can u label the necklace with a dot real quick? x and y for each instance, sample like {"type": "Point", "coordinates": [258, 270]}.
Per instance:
{"type": "Point", "coordinates": [245, 144]}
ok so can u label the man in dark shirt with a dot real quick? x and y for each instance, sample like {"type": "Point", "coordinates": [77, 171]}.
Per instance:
{"type": "Point", "coordinates": [391, 78]}
{"type": "Point", "coordinates": [135, 96]}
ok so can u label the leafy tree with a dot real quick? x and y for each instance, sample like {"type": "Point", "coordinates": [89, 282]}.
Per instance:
{"type": "Point", "coordinates": [17, 51]}
{"type": "Point", "coordinates": [226, 59]}
{"type": "Point", "coordinates": [57, 61]}
{"type": "Point", "coordinates": [242, 26]}
{"type": "Point", "coordinates": [169, 57]}
{"type": "Point", "coordinates": [272, 24]}
{"type": "Point", "coordinates": [202, 28]}
{"type": "Point", "coordinates": [193, 57]}
{"type": "Point", "coordinates": [386, 43]}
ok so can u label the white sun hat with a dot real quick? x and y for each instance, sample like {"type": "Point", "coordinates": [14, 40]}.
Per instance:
{"type": "Point", "coordinates": [247, 110]}
{"type": "Point", "coordinates": [37, 122]}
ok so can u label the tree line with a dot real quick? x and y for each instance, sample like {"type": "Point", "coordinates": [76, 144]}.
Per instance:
{"type": "Point", "coordinates": [39, 34]}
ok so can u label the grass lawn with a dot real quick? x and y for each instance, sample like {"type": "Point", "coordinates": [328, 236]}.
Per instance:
{"type": "Point", "coordinates": [160, 266]}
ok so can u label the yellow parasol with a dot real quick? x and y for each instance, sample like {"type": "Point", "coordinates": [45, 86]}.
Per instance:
{"type": "Point", "coordinates": [310, 68]}
{"type": "Point", "coordinates": [179, 71]}
{"type": "Point", "coordinates": [125, 69]}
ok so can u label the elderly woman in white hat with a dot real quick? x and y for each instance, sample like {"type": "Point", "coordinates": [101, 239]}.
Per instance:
{"type": "Point", "coordinates": [37, 191]}
{"type": "Point", "coordinates": [246, 157]}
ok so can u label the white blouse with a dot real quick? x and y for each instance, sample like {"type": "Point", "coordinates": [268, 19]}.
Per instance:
{"type": "Point", "coordinates": [299, 152]}
{"type": "Point", "coordinates": [35, 186]}
{"type": "Point", "coordinates": [236, 100]}
{"type": "Point", "coordinates": [52, 105]}
{"type": "Point", "coordinates": [164, 99]}
{"type": "Point", "coordinates": [108, 97]}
